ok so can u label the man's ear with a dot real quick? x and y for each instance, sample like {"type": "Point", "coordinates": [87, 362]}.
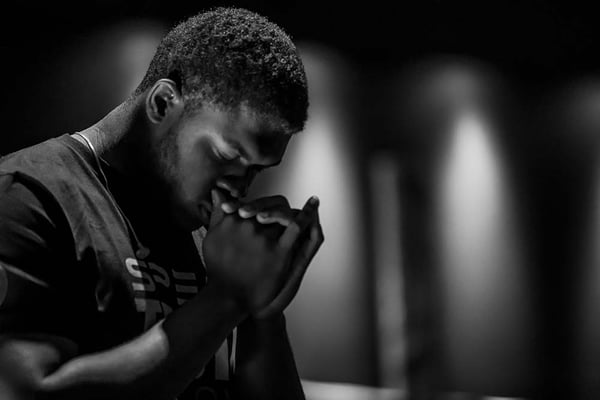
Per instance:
{"type": "Point", "coordinates": [163, 100]}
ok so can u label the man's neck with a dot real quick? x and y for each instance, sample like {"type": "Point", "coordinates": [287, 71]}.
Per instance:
{"type": "Point", "coordinates": [116, 137]}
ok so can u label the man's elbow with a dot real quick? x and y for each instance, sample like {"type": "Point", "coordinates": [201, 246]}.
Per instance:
{"type": "Point", "coordinates": [24, 366]}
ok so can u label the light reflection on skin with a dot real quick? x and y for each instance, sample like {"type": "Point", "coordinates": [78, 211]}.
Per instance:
{"type": "Point", "coordinates": [223, 149]}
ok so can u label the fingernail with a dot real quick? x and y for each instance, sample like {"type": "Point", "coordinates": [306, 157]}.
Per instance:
{"type": "Point", "coordinates": [261, 217]}
{"type": "Point", "coordinates": [227, 207]}
{"type": "Point", "coordinates": [245, 211]}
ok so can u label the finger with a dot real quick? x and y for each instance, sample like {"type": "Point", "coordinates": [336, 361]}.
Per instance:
{"type": "Point", "coordinates": [299, 225]}
{"type": "Point", "coordinates": [217, 213]}
{"type": "Point", "coordinates": [247, 211]}
{"type": "Point", "coordinates": [277, 216]}
{"type": "Point", "coordinates": [300, 264]}
{"type": "Point", "coordinates": [251, 208]}
{"type": "Point", "coordinates": [230, 207]}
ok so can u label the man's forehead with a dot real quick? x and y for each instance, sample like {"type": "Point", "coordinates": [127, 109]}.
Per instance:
{"type": "Point", "coordinates": [265, 123]}
{"type": "Point", "coordinates": [265, 132]}
{"type": "Point", "coordinates": [250, 118]}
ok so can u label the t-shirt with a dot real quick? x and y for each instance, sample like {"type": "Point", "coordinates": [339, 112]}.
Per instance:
{"type": "Point", "coordinates": [83, 258]}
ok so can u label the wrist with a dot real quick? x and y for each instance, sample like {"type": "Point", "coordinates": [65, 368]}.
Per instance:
{"type": "Point", "coordinates": [247, 300]}
{"type": "Point", "coordinates": [210, 304]}
{"type": "Point", "coordinates": [263, 329]}
{"type": "Point", "coordinates": [276, 320]}
{"type": "Point", "coordinates": [225, 300]}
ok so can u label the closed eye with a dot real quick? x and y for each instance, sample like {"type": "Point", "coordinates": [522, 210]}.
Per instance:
{"type": "Point", "coordinates": [226, 154]}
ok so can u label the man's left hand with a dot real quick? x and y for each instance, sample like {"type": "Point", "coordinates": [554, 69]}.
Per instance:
{"type": "Point", "coordinates": [276, 210]}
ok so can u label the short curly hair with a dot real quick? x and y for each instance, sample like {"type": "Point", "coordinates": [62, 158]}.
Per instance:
{"type": "Point", "coordinates": [231, 57]}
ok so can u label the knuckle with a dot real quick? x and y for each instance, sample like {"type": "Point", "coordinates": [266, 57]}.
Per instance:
{"type": "Point", "coordinates": [295, 227]}
{"type": "Point", "coordinates": [284, 215]}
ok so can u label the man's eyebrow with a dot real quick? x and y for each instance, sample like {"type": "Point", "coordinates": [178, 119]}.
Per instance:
{"type": "Point", "coordinates": [244, 154]}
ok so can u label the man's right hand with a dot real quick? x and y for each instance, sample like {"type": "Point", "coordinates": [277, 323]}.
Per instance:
{"type": "Point", "coordinates": [248, 260]}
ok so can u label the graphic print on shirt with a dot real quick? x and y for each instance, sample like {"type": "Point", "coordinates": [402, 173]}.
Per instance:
{"type": "Point", "coordinates": [156, 292]}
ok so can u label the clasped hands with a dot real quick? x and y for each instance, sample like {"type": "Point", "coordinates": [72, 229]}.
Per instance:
{"type": "Point", "coordinates": [258, 251]}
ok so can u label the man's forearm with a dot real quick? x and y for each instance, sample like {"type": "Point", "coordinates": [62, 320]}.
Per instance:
{"type": "Point", "coordinates": [265, 366]}
{"type": "Point", "coordinates": [158, 364]}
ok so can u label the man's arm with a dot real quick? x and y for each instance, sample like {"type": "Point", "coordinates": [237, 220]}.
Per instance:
{"type": "Point", "coordinates": [265, 366]}
{"type": "Point", "coordinates": [32, 362]}
{"type": "Point", "coordinates": [158, 364]}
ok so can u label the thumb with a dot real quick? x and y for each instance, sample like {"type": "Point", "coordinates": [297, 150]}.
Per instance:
{"type": "Point", "coordinates": [217, 213]}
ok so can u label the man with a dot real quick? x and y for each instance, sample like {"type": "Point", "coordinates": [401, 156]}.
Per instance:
{"type": "Point", "coordinates": [103, 290]}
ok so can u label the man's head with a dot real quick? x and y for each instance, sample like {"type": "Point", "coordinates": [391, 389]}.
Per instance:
{"type": "Point", "coordinates": [223, 94]}
{"type": "Point", "coordinates": [231, 57]}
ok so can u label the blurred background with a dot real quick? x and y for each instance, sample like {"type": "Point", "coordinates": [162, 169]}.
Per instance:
{"type": "Point", "coordinates": [454, 146]}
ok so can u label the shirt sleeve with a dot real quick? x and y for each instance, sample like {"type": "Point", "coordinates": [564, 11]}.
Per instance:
{"type": "Point", "coordinates": [29, 248]}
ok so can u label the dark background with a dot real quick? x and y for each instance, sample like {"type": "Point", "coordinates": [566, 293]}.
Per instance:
{"type": "Point", "coordinates": [535, 43]}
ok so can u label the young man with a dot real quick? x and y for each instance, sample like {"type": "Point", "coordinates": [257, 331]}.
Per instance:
{"type": "Point", "coordinates": [104, 290]}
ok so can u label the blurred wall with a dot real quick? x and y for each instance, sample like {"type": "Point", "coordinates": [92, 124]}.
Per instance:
{"type": "Point", "coordinates": [66, 86]}
{"type": "Point", "coordinates": [499, 231]}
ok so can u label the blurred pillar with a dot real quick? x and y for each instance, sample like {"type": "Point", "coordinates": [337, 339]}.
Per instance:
{"type": "Point", "coordinates": [388, 270]}
{"type": "Point", "coordinates": [486, 304]}
{"type": "Point", "coordinates": [468, 288]}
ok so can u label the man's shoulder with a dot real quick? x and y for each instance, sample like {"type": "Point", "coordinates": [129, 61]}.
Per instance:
{"type": "Point", "coordinates": [52, 152]}
{"type": "Point", "coordinates": [61, 175]}
{"type": "Point", "coordinates": [54, 163]}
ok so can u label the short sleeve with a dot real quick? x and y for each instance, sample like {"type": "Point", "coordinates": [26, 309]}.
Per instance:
{"type": "Point", "coordinates": [29, 248]}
